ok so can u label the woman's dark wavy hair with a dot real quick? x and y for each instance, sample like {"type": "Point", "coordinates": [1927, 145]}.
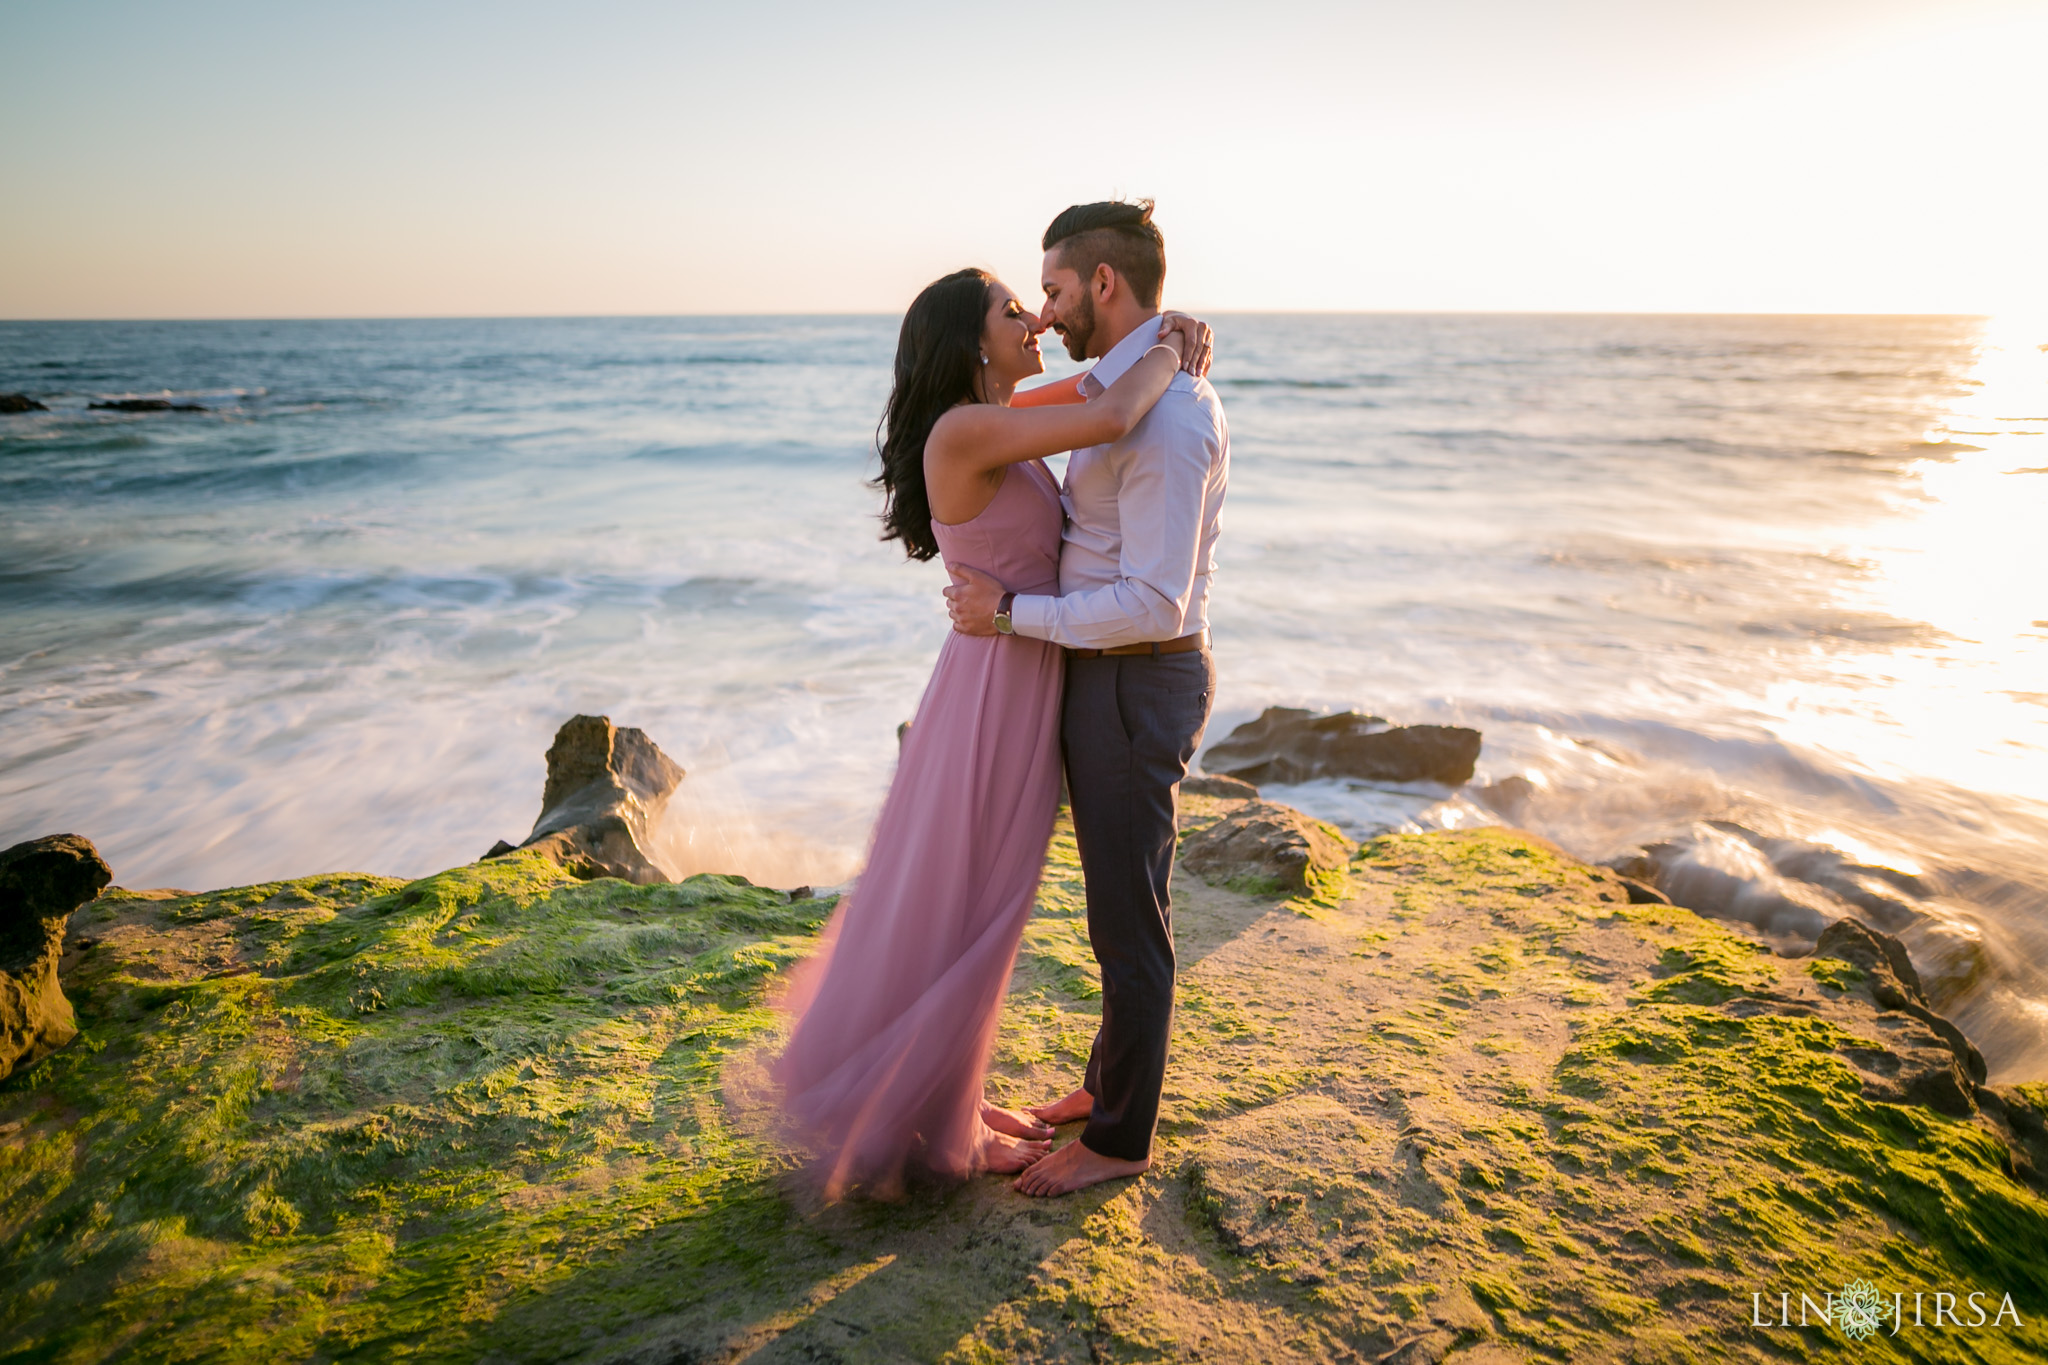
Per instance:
{"type": "Point", "coordinates": [938, 353]}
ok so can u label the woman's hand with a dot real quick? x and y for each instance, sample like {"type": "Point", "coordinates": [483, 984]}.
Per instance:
{"type": "Point", "coordinates": [1196, 337]}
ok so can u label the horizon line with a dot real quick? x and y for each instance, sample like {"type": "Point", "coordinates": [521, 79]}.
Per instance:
{"type": "Point", "coordinates": [871, 313]}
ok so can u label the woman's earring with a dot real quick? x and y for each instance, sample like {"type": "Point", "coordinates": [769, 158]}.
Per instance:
{"type": "Point", "coordinates": [984, 360]}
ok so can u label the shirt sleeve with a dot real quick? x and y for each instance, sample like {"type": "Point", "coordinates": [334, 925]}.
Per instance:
{"type": "Point", "coordinates": [1160, 501]}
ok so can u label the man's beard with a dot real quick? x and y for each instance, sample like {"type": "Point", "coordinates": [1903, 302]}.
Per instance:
{"type": "Point", "coordinates": [1077, 328]}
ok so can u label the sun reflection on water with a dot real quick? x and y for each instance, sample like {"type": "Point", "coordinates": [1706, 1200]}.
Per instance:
{"type": "Point", "coordinates": [1968, 704]}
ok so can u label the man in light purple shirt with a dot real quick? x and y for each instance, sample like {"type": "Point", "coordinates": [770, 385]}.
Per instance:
{"type": "Point", "coordinates": [1133, 611]}
{"type": "Point", "coordinates": [1140, 546]}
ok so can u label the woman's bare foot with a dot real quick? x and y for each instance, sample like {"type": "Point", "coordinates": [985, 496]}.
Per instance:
{"type": "Point", "coordinates": [1072, 1109]}
{"type": "Point", "coordinates": [1005, 1155]}
{"type": "Point", "coordinates": [1074, 1167]}
{"type": "Point", "coordinates": [1015, 1122]}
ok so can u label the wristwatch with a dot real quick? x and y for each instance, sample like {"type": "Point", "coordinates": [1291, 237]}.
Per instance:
{"type": "Point", "coordinates": [1003, 626]}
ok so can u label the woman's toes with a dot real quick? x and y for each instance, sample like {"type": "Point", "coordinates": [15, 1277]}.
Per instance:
{"type": "Point", "coordinates": [1014, 1122]}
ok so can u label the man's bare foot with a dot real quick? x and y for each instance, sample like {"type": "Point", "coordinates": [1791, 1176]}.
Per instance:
{"type": "Point", "coordinates": [1072, 1109]}
{"type": "Point", "coordinates": [1005, 1155]}
{"type": "Point", "coordinates": [1074, 1167]}
{"type": "Point", "coordinates": [1015, 1122]}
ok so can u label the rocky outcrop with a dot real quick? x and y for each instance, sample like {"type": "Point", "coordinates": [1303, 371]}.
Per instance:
{"type": "Point", "coordinates": [606, 787]}
{"type": "Point", "coordinates": [19, 402]}
{"type": "Point", "coordinates": [2020, 1114]}
{"type": "Point", "coordinates": [41, 883]}
{"type": "Point", "coordinates": [1222, 788]}
{"type": "Point", "coordinates": [1266, 843]}
{"type": "Point", "coordinates": [1635, 875]}
{"type": "Point", "coordinates": [1935, 1064]}
{"type": "Point", "coordinates": [1287, 744]}
{"type": "Point", "coordinates": [145, 405]}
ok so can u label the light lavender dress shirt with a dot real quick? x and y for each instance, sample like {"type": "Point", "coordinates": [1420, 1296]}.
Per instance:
{"type": "Point", "coordinates": [1142, 519]}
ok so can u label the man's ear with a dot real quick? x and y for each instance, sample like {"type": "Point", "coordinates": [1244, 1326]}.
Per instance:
{"type": "Point", "coordinates": [1103, 283]}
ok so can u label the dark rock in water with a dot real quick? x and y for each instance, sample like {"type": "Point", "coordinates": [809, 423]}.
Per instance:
{"type": "Point", "coordinates": [145, 405]}
{"type": "Point", "coordinates": [1641, 892]}
{"type": "Point", "coordinates": [606, 787]}
{"type": "Point", "coordinates": [19, 402]}
{"type": "Point", "coordinates": [1635, 866]}
{"type": "Point", "coordinates": [1638, 876]}
{"type": "Point", "coordinates": [1507, 798]}
{"type": "Point", "coordinates": [41, 883]}
{"type": "Point", "coordinates": [1262, 841]}
{"type": "Point", "coordinates": [1288, 744]}
{"type": "Point", "coordinates": [1227, 788]}
{"type": "Point", "coordinates": [1893, 984]}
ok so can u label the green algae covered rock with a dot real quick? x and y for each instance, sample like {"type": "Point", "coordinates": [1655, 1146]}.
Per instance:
{"type": "Point", "coordinates": [41, 882]}
{"type": "Point", "coordinates": [1469, 1104]}
{"type": "Point", "coordinates": [1263, 845]}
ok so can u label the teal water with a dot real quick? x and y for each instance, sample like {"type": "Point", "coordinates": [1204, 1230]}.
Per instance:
{"type": "Point", "coordinates": [1771, 570]}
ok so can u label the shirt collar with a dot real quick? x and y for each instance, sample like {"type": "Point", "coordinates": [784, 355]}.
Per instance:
{"type": "Point", "coordinates": [1122, 356]}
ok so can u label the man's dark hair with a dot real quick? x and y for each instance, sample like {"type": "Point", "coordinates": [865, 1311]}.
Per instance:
{"type": "Point", "coordinates": [1113, 233]}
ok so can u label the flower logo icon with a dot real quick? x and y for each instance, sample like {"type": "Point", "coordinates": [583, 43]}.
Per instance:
{"type": "Point", "coordinates": [1860, 1310]}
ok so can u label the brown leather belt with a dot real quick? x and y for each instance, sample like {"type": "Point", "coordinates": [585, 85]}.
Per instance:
{"type": "Point", "coordinates": [1186, 644]}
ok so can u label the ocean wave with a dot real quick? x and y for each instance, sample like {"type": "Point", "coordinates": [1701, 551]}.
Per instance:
{"type": "Point", "coordinates": [230, 598]}
{"type": "Point", "coordinates": [1864, 628]}
{"type": "Point", "coordinates": [723, 453]}
{"type": "Point", "coordinates": [1363, 381]}
{"type": "Point", "coordinates": [193, 481]}
{"type": "Point", "coordinates": [102, 436]}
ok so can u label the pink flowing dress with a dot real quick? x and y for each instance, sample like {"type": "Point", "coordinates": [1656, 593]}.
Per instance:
{"type": "Point", "coordinates": [896, 1013]}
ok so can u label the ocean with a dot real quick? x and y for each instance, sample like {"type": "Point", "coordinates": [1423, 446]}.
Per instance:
{"type": "Point", "coordinates": [1711, 582]}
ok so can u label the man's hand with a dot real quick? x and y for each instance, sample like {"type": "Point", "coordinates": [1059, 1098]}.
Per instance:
{"type": "Point", "coordinates": [972, 601]}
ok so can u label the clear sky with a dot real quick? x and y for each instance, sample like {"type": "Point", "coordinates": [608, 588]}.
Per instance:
{"type": "Point", "coordinates": [239, 159]}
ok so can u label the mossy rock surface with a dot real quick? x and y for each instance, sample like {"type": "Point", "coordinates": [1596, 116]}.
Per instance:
{"type": "Point", "coordinates": [1471, 1105]}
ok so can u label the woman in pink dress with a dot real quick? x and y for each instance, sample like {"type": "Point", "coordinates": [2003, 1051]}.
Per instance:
{"type": "Point", "coordinates": [896, 1013]}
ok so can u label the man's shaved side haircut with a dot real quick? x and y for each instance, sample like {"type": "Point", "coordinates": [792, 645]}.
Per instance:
{"type": "Point", "coordinates": [1113, 233]}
